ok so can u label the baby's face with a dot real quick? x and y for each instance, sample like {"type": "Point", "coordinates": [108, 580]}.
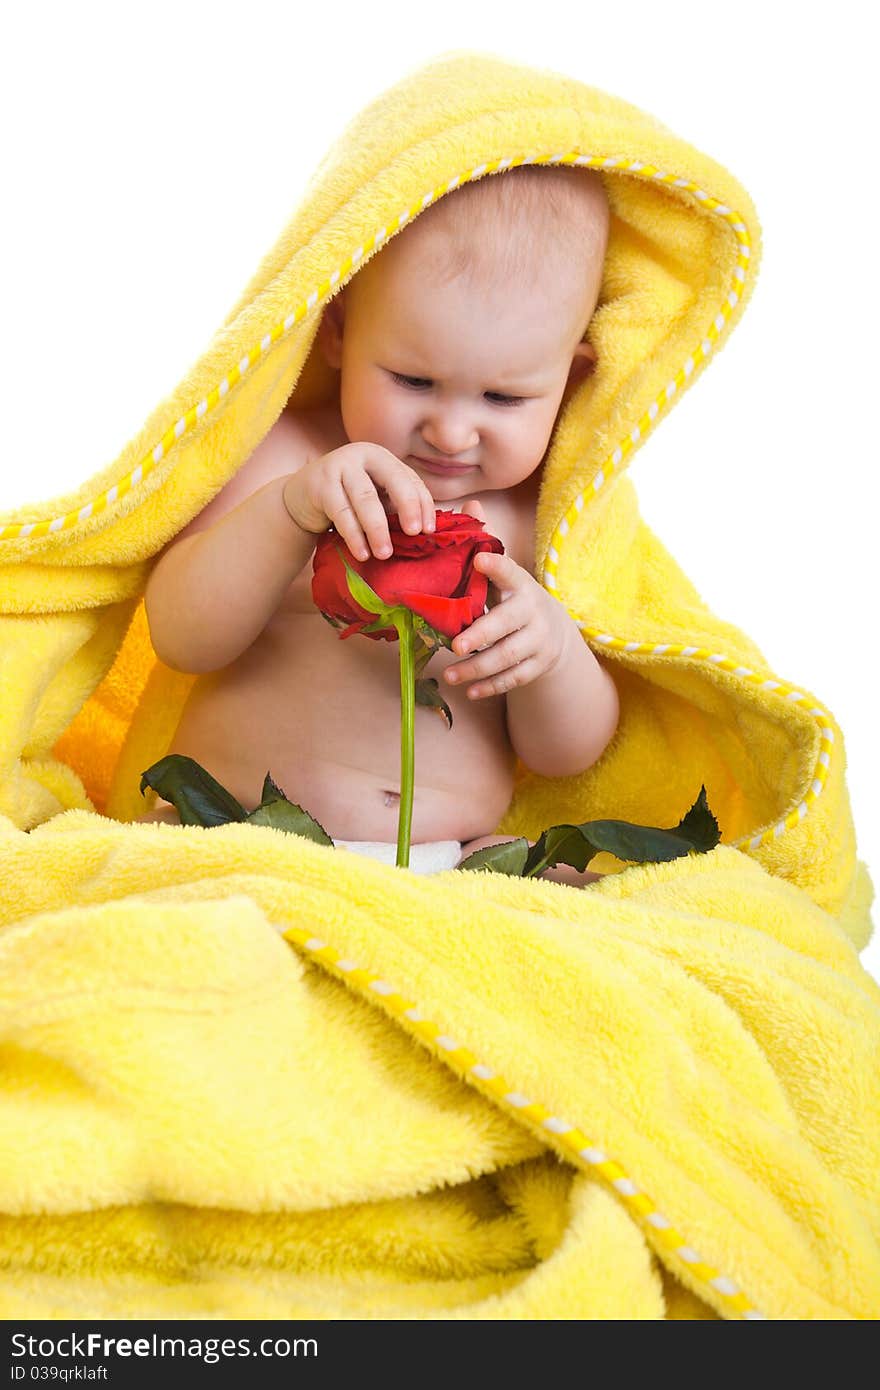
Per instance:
{"type": "Point", "coordinates": [467, 374]}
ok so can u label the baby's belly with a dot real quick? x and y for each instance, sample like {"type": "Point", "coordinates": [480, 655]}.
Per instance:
{"type": "Point", "coordinates": [322, 715]}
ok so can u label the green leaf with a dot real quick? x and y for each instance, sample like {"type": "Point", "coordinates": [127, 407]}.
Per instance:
{"type": "Point", "coordinates": [386, 619]}
{"type": "Point", "coordinates": [699, 825]}
{"type": "Point", "coordinates": [388, 614]}
{"type": "Point", "coordinates": [287, 815]}
{"type": "Point", "coordinates": [576, 845]}
{"type": "Point", "coordinates": [421, 656]}
{"type": "Point", "coordinates": [275, 810]}
{"type": "Point", "coordinates": [560, 844]}
{"type": "Point", "coordinates": [197, 797]}
{"type": "Point", "coordinates": [271, 791]}
{"type": "Point", "coordinates": [364, 595]}
{"type": "Point", "coordinates": [430, 636]}
{"type": "Point", "coordinates": [428, 693]}
{"type": "Point", "coordinates": [509, 858]}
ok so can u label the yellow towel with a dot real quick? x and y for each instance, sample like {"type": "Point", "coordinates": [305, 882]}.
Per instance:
{"type": "Point", "coordinates": [249, 1076]}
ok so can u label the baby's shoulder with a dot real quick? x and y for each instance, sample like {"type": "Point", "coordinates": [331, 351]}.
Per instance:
{"type": "Point", "coordinates": [295, 437]}
{"type": "Point", "coordinates": [510, 515]}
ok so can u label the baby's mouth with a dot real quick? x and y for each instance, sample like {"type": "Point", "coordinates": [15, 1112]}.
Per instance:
{"type": "Point", "coordinates": [450, 470]}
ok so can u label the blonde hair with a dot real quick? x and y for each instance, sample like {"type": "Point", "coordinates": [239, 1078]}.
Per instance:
{"type": "Point", "coordinates": [496, 223]}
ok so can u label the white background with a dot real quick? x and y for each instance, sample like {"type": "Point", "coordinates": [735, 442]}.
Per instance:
{"type": "Point", "coordinates": [152, 154]}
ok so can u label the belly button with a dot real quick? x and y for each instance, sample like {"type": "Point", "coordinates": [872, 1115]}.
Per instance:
{"type": "Point", "coordinates": [390, 797]}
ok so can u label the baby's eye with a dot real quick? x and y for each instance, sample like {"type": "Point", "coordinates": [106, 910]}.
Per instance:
{"type": "Point", "coordinates": [410, 380]}
{"type": "Point", "coordinates": [416, 382]}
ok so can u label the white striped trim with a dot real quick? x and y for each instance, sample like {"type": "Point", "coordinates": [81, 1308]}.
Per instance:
{"type": "Point", "coordinates": [719, 660]}
{"type": "Point", "coordinates": [671, 1244]}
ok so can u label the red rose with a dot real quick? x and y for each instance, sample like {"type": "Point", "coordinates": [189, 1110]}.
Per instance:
{"type": "Point", "coordinates": [432, 574]}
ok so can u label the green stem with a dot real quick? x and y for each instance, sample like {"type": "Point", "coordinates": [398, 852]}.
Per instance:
{"type": "Point", "coordinates": [406, 633]}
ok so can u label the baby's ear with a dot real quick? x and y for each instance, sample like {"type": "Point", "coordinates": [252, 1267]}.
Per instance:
{"type": "Point", "coordinates": [583, 364]}
{"type": "Point", "coordinates": [330, 330]}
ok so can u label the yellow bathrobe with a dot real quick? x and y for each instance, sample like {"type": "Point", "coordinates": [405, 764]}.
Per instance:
{"type": "Point", "coordinates": [244, 1075]}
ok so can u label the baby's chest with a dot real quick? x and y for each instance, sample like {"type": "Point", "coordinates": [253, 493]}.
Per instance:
{"type": "Point", "coordinates": [303, 675]}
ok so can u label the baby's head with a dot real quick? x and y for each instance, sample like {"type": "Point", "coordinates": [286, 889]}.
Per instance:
{"type": "Point", "coordinates": [463, 336]}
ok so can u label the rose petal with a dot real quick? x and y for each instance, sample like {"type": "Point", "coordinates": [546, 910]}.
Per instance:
{"type": "Point", "coordinates": [432, 574]}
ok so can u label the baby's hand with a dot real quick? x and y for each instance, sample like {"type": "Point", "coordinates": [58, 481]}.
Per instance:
{"type": "Point", "coordinates": [522, 637]}
{"type": "Point", "coordinates": [338, 489]}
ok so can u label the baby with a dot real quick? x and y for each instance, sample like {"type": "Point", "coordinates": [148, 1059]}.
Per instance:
{"type": "Point", "coordinates": [456, 347]}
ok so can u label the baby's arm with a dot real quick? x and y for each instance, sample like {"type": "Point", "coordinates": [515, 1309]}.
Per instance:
{"type": "Point", "coordinates": [562, 706]}
{"type": "Point", "coordinates": [212, 593]}
{"type": "Point", "coordinates": [562, 723]}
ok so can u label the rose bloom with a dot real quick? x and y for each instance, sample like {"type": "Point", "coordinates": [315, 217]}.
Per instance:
{"type": "Point", "coordinates": [431, 574]}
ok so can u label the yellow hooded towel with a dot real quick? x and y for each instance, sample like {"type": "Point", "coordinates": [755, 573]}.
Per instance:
{"type": "Point", "coordinates": [245, 1075]}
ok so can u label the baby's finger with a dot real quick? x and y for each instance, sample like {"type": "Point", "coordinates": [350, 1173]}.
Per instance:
{"type": "Point", "coordinates": [474, 508]}
{"type": "Point", "coordinates": [504, 621]}
{"type": "Point", "coordinates": [429, 510]}
{"type": "Point", "coordinates": [413, 502]}
{"type": "Point", "coordinates": [523, 673]}
{"type": "Point", "coordinates": [508, 651]}
{"type": "Point", "coordinates": [370, 513]}
{"type": "Point", "coordinates": [340, 511]}
{"type": "Point", "coordinates": [402, 484]}
{"type": "Point", "coordinates": [409, 502]}
{"type": "Point", "coordinates": [503, 573]}
{"type": "Point", "coordinates": [498, 563]}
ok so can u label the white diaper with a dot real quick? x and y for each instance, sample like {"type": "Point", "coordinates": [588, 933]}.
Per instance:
{"type": "Point", "coordinates": [430, 858]}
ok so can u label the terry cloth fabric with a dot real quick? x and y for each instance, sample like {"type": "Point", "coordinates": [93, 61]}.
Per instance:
{"type": "Point", "coordinates": [430, 857]}
{"type": "Point", "coordinates": [249, 1076]}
